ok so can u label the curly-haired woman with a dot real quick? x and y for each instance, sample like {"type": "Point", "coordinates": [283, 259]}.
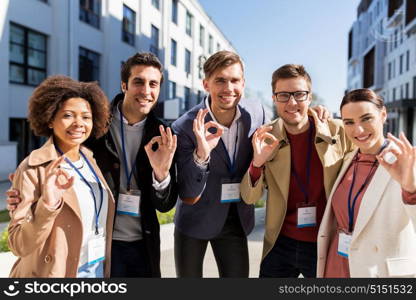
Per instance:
{"type": "Point", "coordinates": [63, 226]}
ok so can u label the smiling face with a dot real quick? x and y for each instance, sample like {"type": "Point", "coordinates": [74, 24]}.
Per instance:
{"type": "Point", "coordinates": [225, 87]}
{"type": "Point", "coordinates": [293, 113]}
{"type": "Point", "coordinates": [72, 123]}
{"type": "Point", "coordinates": [142, 91]}
{"type": "Point", "coordinates": [363, 123]}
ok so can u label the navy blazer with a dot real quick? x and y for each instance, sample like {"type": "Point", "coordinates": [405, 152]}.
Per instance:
{"type": "Point", "coordinates": [206, 218]}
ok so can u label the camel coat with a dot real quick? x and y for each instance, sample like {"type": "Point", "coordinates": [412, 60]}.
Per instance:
{"type": "Point", "coordinates": [48, 241]}
{"type": "Point", "coordinates": [384, 238]}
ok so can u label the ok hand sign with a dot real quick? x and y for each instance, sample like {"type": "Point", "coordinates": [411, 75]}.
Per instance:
{"type": "Point", "coordinates": [261, 149]}
{"type": "Point", "coordinates": [403, 170]}
{"type": "Point", "coordinates": [161, 159]}
{"type": "Point", "coordinates": [206, 141]}
{"type": "Point", "coordinates": [54, 186]}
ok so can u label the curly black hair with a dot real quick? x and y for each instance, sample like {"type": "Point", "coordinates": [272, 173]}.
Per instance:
{"type": "Point", "coordinates": [49, 96]}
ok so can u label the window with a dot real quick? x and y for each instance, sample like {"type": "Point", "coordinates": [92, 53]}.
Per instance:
{"type": "Point", "coordinates": [393, 6]}
{"type": "Point", "coordinates": [414, 87]}
{"type": "Point", "coordinates": [27, 55]}
{"type": "Point", "coordinates": [187, 98]}
{"type": "Point", "coordinates": [187, 61]}
{"type": "Point", "coordinates": [173, 51]}
{"type": "Point", "coordinates": [156, 4]}
{"type": "Point", "coordinates": [407, 60]}
{"type": "Point", "coordinates": [175, 11]}
{"type": "Point", "coordinates": [396, 33]}
{"type": "Point", "coordinates": [201, 36]}
{"type": "Point", "coordinates": [401, 64]}
{"type": "Point", "coordinates": [369, 62]}
{"type": "Point", "coordinates": [129, 25]}
{"type": "Point", "coordinates": [389, 71]}
{"type": "Point", "coordinates": [200, 96]}
{"type": "Point", "coordinates": [171, 89]}
{"type": "Point", "coordinates": [218, 47]}
{"type": "Point", "coordinates": [90, 11]}
{"type": "Point", "coordinates": [407, 90]}
{"type": "Point", "coordinates": [350, 40]}
{"type": "Point", "coordinates": [89, 65]}
{"type": "Point", "coordinates": [394, 94]}
{"type": "Point", "coordinates": [154, 41]}
{"type": "Point", "coordinates": [410, 11]}
{"type": "Point", "coordinates": [188, 27]}
{"type": "Point", "coordinates": [20, 132]}
{"type": "Point", "coordinates": [210, 44]}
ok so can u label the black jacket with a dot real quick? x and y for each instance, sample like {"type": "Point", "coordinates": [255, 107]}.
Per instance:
{"type": "Point", "coordinates": [105, 153]}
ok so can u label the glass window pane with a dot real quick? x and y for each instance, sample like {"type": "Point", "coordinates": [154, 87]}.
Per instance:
{"type": "Point", "coordinates": [17, 34]}
{"type": "Point", "coordinates": [36, 41]}
{"type": "Point", "coordinates": [36, 59]}
{"type": "Point", "coordinates": [96, 6]}
{"type": "Point", "coordinates": [16, 73]}
{"type": "Point", "coordinates": [35, 77]}
{"type": "Point", "coordinates": [17, 53]}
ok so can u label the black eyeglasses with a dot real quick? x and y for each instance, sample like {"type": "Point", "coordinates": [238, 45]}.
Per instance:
{"type": "Point", "coordinates": [299, 96]}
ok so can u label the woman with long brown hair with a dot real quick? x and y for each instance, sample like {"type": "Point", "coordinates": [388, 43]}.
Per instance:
{"type": "Point", "coordinates": [368, 228]}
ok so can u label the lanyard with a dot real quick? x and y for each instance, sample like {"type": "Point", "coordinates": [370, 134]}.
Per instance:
{"type": "Point", "coordinates": [231, 161]}
{"type": "Point", "coordinates": [96, 211]}
{"type": "Point", "coordinates": [123, 148]}
{"type": "Point", "coordinates": [305, 187]}
{"type": "Point", "coordinates": [352, 207]}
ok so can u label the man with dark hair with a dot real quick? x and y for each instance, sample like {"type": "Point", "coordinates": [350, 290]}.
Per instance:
{"type": "Point", "coordinates": [297, 157]}
{"type": "Point", "coordinates": [135, 157]}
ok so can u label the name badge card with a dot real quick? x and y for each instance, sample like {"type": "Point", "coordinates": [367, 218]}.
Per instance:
{"type": "Point", "coordinates": [344, 242]}
{"type": "Point", "coordinates": [129, 203]}
{"type": "Point", "coordinates": [230, 192]}
{"type": "Point", "coordinates": [96, 249]}
{"type": "Point", "coordinates": [306, 215]}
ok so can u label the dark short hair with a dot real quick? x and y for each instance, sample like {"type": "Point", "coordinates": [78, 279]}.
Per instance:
{"type": "Point", "coordinates": [140, 58]}
{"type": "Point", "coordinates": [221, 60]}
{"type": "Point", "coordinates": [50, 95]}
{"type": "Point", "coordinates": [360, 95]}
{"type": "Point", "coordinates": [290, 71]}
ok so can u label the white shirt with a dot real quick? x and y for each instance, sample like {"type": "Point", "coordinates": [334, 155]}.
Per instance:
{"type": "Point", "coordinates": [231, 135]}
{"type": "Point", "coordinates": [87, 209]}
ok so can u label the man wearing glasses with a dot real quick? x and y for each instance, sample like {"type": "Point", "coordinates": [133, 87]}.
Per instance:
{"type": "Point", "coordinates": [297, 158]}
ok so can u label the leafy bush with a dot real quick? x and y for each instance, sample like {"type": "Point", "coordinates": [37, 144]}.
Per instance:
{"type": "Point", "coordinates": [260, 203]}
{"type": "Point", "coordinates": [3, 241]}
{"type": "Point", "coordinates": [165, 218]}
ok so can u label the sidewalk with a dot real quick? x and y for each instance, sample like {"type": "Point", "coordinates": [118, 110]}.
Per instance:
{"type": "Point", "coordinates": [255, 247]}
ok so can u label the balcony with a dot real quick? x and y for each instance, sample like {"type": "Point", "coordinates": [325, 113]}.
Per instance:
{"type": "Point", "coordinates": [396, 13]}
{"type": "Point", "coordinates": [410, 17]}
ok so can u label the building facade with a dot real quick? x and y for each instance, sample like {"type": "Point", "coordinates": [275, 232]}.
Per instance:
{"type": "Point", "coordinates": [88, 40]}
{"type": "Point", "coordinates": [382, 56]}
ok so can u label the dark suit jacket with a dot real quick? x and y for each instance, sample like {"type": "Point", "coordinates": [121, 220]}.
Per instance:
{"type": "Point", "coordinates": [105, 153]}
{"type": "Point", "coordinates": [205, 219]}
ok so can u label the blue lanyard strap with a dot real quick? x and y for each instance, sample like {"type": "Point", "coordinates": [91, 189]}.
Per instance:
{"type": "Point", "coordinates": [351, 206]}
{"type": "Point", "coordinates": [123, 148]}
{"type": "Point", "coordinates": [97, 211]}
{"type": "Point", "coordinates": [305, 187]}
{"type": "Point", "coordinates": [231, 163]}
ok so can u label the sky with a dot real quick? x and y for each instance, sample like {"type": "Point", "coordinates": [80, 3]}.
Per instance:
{"type": "Point", "coordinates": [270, 33]}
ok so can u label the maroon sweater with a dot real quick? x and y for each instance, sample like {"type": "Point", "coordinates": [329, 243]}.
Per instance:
{"type": "Point", "coordinates": [298, 152]}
